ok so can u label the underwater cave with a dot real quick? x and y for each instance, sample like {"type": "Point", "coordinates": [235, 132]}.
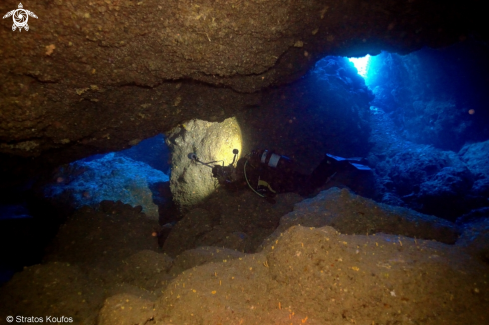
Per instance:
{"type": "Point", "coordinates": [244, 162]}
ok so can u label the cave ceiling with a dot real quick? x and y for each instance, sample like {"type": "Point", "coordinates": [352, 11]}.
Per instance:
{"type": "Point", "coordinates": [92, 76]}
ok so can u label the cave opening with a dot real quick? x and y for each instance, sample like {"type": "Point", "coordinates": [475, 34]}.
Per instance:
{"type": "Point", "coordinates": [434, 97]}
{"type": "Point", "coordinates": [432, 104]}
{"type": "Point", "coordinates": [361, 64]}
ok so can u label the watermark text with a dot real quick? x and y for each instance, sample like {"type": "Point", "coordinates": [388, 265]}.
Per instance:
{"type": "Point", "coordinates": [39, 319]}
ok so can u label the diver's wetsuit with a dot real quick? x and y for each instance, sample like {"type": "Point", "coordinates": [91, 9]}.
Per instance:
{"type": "Point", "coordinates": [326, 168]}
{"type": "Point", "coordinates": [283, 177]}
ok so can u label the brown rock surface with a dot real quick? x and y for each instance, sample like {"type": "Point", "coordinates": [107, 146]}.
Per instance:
{"type": "Point", "coordinates": [305, 275]}
{"type": "Point", "coordinates": [318, 276]}
{"type": "Point", "coordinates": [352, 214]}
{"type": "Point", "coordinates": [93, 76]}
{"type": "Point", "coordinates": [125, 309]}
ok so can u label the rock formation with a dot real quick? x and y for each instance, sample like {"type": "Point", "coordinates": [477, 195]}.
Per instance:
{"type": "Point", "coordinates": [91, 77]}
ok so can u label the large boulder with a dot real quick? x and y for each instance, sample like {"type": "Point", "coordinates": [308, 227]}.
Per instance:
{"type": "Point", "coordinates": [107, 178]}
{"type": "Point", "coordinates": [191, 182]}
{"type": "Point", "coordinates": [353, 214]}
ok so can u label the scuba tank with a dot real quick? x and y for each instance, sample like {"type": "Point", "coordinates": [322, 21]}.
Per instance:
{"type": "Point", "coordinates": [273, 160]}
{"type": "Point", "coordinates": [275, 173]}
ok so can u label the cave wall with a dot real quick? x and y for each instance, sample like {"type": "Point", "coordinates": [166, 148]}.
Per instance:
{"type": "Point", "coordinates": [90, 77]}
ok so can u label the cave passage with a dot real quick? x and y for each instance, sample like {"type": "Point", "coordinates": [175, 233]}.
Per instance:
{"type": "Point", "coordinates": [342, 172]}
{"type": "Point", "coordinates": [419, 121]}
{"type": "Point", "coordinates": [428, 104]}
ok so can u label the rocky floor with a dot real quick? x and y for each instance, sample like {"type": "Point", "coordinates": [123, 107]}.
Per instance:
{"type": "Point", "coordinates": [106, 268]}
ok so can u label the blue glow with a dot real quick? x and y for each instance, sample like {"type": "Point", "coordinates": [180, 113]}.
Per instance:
{"type": "Point", "coordinates": [361, 64]}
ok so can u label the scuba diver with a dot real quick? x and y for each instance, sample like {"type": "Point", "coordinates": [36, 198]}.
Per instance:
{"type": "Point", "coordinates": [267, 173]}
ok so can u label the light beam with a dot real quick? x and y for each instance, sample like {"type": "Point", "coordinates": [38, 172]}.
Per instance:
{"type": "Point", "coordinates": [361, 64]}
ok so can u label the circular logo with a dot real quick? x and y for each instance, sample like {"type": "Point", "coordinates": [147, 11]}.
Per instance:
{"type": "Point", "coordinates": [10, 319]}
{"type": "Point", "coordinates": [20, 18]}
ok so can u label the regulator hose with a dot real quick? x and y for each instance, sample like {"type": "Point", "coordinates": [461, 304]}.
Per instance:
{"type": "Point", "coordinates": [246, 177]}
